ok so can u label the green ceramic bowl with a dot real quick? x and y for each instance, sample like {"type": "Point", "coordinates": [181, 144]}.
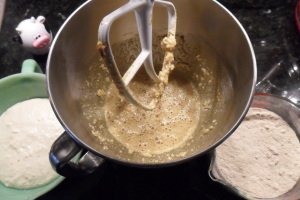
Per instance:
{"type": "Point", "coordinates": [28, 84]}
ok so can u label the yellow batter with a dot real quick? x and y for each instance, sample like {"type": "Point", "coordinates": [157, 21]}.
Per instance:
{"type": "Point", "coordinates": [160, 130]}
{"type": "Point", "coordinates": [184, 117]}
{"type": "Point", "coordinates": [168, 45]}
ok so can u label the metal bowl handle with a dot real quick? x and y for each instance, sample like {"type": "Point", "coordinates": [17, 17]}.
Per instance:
{"type": "Point", "coordinates": [66, 161]}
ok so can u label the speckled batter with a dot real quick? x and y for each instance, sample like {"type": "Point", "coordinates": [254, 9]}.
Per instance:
{"type": "Point", "coordinates": [162, 129]}
{"type": "Point", "coordinates": [168, 45]}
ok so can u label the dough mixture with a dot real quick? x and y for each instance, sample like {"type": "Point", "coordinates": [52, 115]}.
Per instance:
{"type": "Point", "coordinates": [186, 115]}
{"type": "Point", "coordinates": [162, 129]}
{"type": "Point", "coordinates": [171, 121]}
{"type": "Point", "coordinates": [168, 45]}
{"type": "Point", "coordinates": [262, 157]}
{"type": "Point", "coordinates": [27, 131]}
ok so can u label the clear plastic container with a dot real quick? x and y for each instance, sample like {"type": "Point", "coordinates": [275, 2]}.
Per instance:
{"type": "Point", "coordinates": [291, 114]}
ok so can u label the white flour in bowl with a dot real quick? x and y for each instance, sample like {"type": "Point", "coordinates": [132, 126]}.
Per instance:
{"type": "Point", "coordinates": [262, 157]}
{"type": "Point", "coordinates": [27, 131]}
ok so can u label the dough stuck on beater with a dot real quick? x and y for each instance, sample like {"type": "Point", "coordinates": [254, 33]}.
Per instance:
{"type": "Point", "coordinates": [168, 45]}
{"type": "Point", "coordinates": [143, 13]}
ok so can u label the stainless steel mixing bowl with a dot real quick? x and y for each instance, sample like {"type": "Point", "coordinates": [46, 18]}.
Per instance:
{"type": "Point", "coordinates": [205, 21]}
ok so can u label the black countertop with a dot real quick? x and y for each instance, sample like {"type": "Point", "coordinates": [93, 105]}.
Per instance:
{"type": "Point", "coordinates": [273, 32]}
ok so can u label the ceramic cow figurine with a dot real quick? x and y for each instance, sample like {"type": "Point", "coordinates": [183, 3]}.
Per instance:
{"type": "Point", "coordinates": [34, 36]}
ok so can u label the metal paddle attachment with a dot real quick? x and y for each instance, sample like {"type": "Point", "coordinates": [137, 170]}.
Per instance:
{"type": "Point", "coordinates": [143, 10]}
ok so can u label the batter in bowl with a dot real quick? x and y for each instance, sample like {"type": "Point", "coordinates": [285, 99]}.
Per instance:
{"type": "Point", "coordinates": [185, 117]}
{"type": "Point", "coordinates": [27, 131]}
{"type": "Point", "coordinates": [156, 131]}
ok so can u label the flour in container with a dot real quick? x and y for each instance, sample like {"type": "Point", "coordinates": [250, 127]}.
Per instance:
{"type": "Point", "coordinates": [27, 131]}
{"type": "Point", "coordinates": [262, 158]}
